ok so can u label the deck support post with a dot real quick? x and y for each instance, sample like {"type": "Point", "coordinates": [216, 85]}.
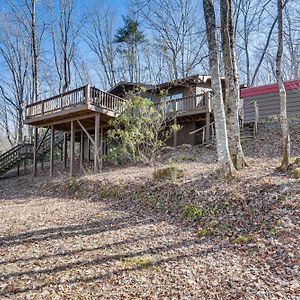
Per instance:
{"type": "Point", "coordinates": [72, 146]}
{"type": "Point", "coordinates": [35, 142]}
{"type": "Point", "coordinates": [175, 134]}
{"type": "Point", "coordinates": [207, 133]}
{"type": "Point", "coordinates": [65, 150]}
{"type": "Point", "coordinates": [42, 158]}
{"type": "Point", "coordinates": [89, 149]}
{"type": "Point", "coordinates": [102, 149]}
{"type": "Point", "coordinates": [25, 165]}
{"type": "Point", "coordinates": [52, 142]}
{"type": "Point", "coordinates": [97, 144]}
{"type": "Point", "coordinates": [81, 149]}
{"type": "Point", "coordinates": [61, 151]}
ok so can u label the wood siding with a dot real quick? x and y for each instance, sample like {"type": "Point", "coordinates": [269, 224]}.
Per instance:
{"type": "Point", "coordinates": [269, 105]}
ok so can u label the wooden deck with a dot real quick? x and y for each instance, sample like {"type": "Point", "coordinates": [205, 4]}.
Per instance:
{"type": "Point", "coordinates": [84, 102]}
{"type": "Point", "coordinates": [76, 104]}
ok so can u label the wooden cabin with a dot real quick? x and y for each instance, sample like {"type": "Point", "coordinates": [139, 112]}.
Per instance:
{"type": "Point", "coordinates": [189, 98]}
{"type": "Point", "coordinates": [81, 116]}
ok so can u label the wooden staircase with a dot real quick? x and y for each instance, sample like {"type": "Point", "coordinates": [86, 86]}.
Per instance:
{"type": "Point", "coordinates": [22, 152]}
{"type": "Point", "coordinates": [206, 135]}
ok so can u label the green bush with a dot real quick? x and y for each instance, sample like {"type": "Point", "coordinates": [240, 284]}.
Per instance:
{"type": "Point", "coordinates": [297, 161]}
{"type": "Point", "coordinates": [242, 239]}
{"type": "Point", "coordinates": [73, 186]}
{"type": "Point", "coordinates": [192, 212]}
{"type": "Point", "coordinates": [170, 172]}
{"type": "Point", "coordinates": [295, 173]}
{"type": "Point", "coordinates": [203, 232]}
{"type": "Point", "coordinates": [141, 130]}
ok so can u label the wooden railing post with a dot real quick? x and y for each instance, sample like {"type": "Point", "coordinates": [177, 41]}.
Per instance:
{"type": "Point", "coordinates": [61, 101]}
{"type": "Point", "coordinates": [87, 93]}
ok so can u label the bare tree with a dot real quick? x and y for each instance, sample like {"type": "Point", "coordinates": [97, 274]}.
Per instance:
{"type": "Point", "coordinates": [282, 93]}
{"type": "Point", "coordinates": [64, 34]}
{"type": "Point", "coordinates": [232, 95]}
{"type": "Point", "coordinates": [14, 82]}
{"type": "Point", "coordinates": [291, 59]}
{"type": "Point", "coordinates": [219, 111]}
{"type": "Point", "coordinates": [178, 35]}
{"type": "Point", "coordinates": [24, 12]}
{"type": "Point", "coordinates": [98, 33]}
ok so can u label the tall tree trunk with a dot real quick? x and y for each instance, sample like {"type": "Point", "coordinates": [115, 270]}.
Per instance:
{"type": "Point", "coordinates": [19, 138]}
{"type": "Point", "coordinates": [282, 94]}
{"type": "Point", "coordinates": [34, 51]}
{"type": "Point", "coordinates": [232, 95]}
{"type": "Point", "coordinates": [219, 112]}
{"type": "Point", "coordinates": [34, 62]}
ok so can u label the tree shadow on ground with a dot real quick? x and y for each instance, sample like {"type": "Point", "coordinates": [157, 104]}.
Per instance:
{"type": "Point", "coordinates": [139, 216]}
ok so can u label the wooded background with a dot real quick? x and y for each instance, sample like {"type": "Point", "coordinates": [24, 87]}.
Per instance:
{"type": "Point", "coordinates": [47, 47]}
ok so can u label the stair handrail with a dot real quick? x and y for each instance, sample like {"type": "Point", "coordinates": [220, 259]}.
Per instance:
{"type": "Point", "coordinates": [11, 157]}
{"type": "Point", "coordinates": [211, 127]}
{"type": "Point", "coordinates": [204, 127]}
{"type": "Point", "coordinates": [11, 150]}
{"type": "Point", "coordinates": [15, 151]}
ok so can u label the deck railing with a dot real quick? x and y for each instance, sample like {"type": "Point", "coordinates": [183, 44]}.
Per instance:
{"type": "Point", "coordinates": [106, 100]}
{"type": "Point", "coordinates": [91, 95]}
{"type": "Point", "coordinates": [188, 103]}
{"type": "Point", "coordinates": [83, 95]}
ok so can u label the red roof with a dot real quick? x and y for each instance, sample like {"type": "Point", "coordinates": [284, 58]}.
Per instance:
{"type": "Point", "coordinates": [268, 89]}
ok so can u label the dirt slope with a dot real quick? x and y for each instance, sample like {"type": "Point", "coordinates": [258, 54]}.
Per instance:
{"type": "Point", "coordinates": [122, 235]}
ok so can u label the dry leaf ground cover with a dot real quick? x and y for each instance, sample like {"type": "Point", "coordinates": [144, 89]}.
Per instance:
{"type": "Point", "coordinates": [122, 235]}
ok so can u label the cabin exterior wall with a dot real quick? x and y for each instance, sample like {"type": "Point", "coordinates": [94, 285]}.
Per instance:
{"type": "Point", "coordinates": [269, 105]}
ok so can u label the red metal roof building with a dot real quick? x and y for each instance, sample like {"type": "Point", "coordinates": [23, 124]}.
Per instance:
{"type": "Point", "coordinates": [267, 99]}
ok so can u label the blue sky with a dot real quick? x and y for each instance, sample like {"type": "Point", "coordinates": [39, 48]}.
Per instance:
{"type": "Point", "coordinates": [119, 6]}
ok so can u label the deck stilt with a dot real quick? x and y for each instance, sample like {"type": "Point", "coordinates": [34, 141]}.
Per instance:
{"type": "Point", "coordinates": [89, 149]}
{"type": "Point", "coordinates": [97, 143]}
{"type": "Point", "coordinates": [35, 151]}
{"type": "Point", "coordinates": [72, 148]}
{"type": "Point", "coordinates": [65, 147]}
{"type": "Point", "coordinates": [175, 134]}
{"type": "Point", "coordinates": [42, 158]}
{"type": "Point", "coordinates": [207, 133]}
{"type": "Point", "coordinates": [52, 141]}
{"type": "Point", "coordinates": [102, 149]}
{"type": "Point", "coordinates": [81, 149]}
{"type": "Point", "coordinates": [25, 166]}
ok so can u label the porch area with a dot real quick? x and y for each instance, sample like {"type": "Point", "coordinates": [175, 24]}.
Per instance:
{"type": "Point", "coordinates": [80, 115]}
